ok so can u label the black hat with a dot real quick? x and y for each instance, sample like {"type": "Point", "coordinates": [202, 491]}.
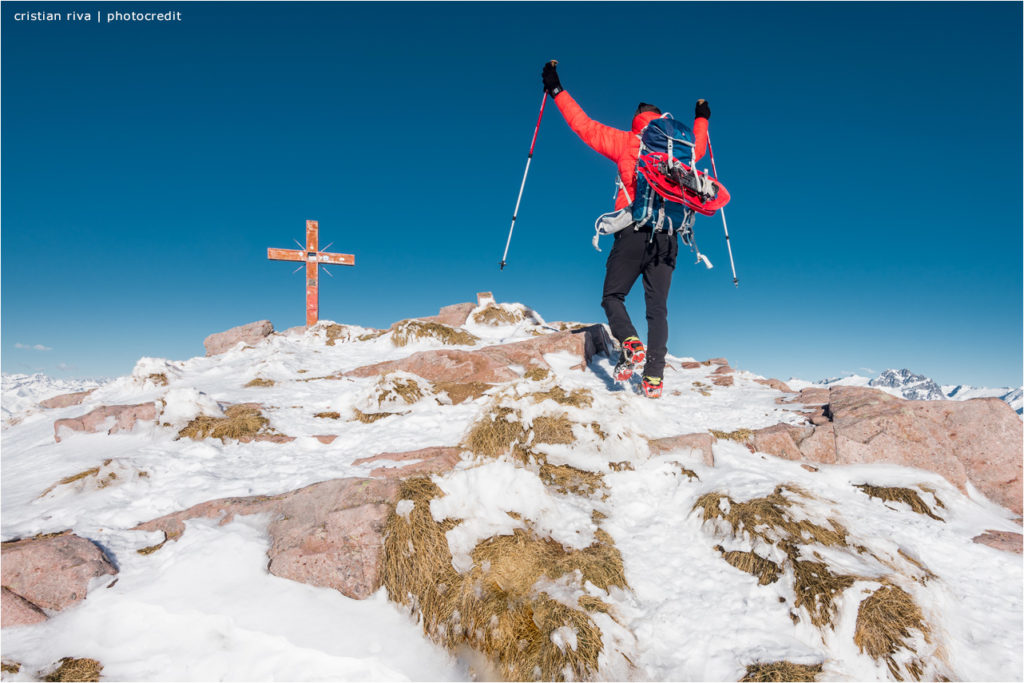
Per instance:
{"type": "Point", "coordinates": [643, 107]}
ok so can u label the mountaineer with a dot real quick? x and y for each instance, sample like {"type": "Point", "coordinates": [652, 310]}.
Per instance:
{"type": "Point", "coordinates": [649, 250]}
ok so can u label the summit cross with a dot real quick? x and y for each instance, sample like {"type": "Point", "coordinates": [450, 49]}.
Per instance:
{"type": "Point", "coordinates": [313, 257]}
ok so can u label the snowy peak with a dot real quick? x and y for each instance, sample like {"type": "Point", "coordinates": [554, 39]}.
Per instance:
{"type": "Point", "coordinates": [909, 385]}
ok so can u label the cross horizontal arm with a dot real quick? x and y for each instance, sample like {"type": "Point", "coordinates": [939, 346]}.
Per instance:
{"type": "Point", "coordinates": [285, 254]}
{"type": "Point", "coordinates": [337, 259]}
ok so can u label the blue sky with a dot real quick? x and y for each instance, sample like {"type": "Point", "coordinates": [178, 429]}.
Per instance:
{"type": "Point", "coordinates": [873, 152]}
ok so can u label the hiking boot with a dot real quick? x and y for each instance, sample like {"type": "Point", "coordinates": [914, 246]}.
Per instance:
{"type": "Point", "coordinates": [632, 354]}
{"type": "Point", "coordinates": [652, 386]}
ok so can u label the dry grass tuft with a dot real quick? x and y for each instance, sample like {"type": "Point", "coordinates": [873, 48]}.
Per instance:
{"type": "Point", "coordinates": [816, 588]}
{"type": "Point", "coordinates": [601, 434]}
{"type": "Point", "coordinates": [495, 433]}
{"type": "Point", "coordinates": [102, 481]}
{"type": "Point", "coordinates": [624, 466]}
{"type": "Point", "coordinates": [764, 569]}
{"type": "Point", "coordinates": [769, 519]}
{"type": "Point", "coordinates": [884, 623]}
{"type": "Point", "coordinates": [502, 430]}
{"type": "Point", "coordinates": [571, 480]}
{"type": "Point", "coordinates": [537, 373]}
{"type": "Point", "coordinates": [740, 435]}
{"type": "Point", "coordinates": [242, 421]}
{"type": "Point", "coordinates": [555, 430]}
{"type": "Point", "coordinates": [578, 398]}
{"type": "Point", "coordinates": [702, 389]}
{"type": "Point", "coordinates": [260, 382]}
{"type": "Point", "coordinates": [410, 330]}
{"type": "Point", "coordinates": [10, 667]}
{"type": "Point", "coordinates": [72, 669]}
{"type": "Point", "coordinates": [370, 418]}
{"type": "Point", "coordinates": [781, 671]}
{"type": "Point", "coordinates": [498, 315]}
{"type": "Point", "coordinates": [149, 550]}
{"type": "Point", "coordinates": [158, 378]}
{"type": "Point", "coordinates": [900, 495]}
{"type": "Point", "coordinates": [495, 607]}
{"type": "Point", "coordinates": [406, 390]}
{"type": "Point", "coordinates": [462, 391]}
{"type": "Point", "coordinates": [329, 415]}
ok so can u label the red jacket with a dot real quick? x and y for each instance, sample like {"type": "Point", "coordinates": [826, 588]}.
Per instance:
{"type": "Point", "coordinates": [620, 146]}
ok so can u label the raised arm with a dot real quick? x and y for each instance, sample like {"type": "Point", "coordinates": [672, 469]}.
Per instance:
{"type": "Point", "coordinates": [605, 140]}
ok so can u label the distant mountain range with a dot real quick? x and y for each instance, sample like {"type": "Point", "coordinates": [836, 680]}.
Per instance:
{"type": "Point", "coordinates": [914, 387]}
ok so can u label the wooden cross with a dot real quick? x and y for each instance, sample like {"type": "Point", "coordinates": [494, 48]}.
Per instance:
{"type": "Point", "coordinates": [313, 258]}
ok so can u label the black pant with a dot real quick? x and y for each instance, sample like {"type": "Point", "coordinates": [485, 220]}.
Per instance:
{"type": "Point", "coordinates": [635, 254]}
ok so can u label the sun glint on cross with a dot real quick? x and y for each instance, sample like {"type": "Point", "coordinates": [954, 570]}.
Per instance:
{"type": "Point", "coordinates": [313, 257]}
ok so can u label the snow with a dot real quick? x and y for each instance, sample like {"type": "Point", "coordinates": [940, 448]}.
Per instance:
{"type": "Point", "coordinates": [206, 608]}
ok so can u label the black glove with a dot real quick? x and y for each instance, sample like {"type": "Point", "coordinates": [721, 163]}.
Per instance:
{"type": "Point", "coordinates": [552, 86]}
{"type": "Point", "coordinates": [702, 111]}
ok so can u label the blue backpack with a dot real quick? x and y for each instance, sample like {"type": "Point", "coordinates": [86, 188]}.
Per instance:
{"type": "Point", "coordinates": [664, 137]}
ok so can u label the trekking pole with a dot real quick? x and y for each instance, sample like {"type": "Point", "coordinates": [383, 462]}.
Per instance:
{"type": "Point", "coordinates": [728, 245]}
{"type": "Point", "coordinates": [529, 157]}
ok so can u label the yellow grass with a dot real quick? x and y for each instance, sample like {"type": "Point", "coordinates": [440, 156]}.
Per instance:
{"type": "Point", "coordinates": [329, 415]}
{"type": "Point", "coordinates": [462, 391]}
{"type": "Point", "coordinates": [578, 398]}
{"type": "Point", "coordinates": [72, 669]}
{"type": "Point", "coordinates": [769, 519]}
{"type": "Point", "coordinates": [410, 330]}
{"type": "Point", "coordinates": [740, 435]}
{"type": "Point", "coordinates": [370, 418]}
{"type": "Point", "coordinates": [242, 422]}
{"type": "Point", "coordinates": [885, 622]}
{"type": "Point", "coordinates": [781, 671]}
{"type": "Point", "coordinates": [750, 562]}
{"type": "Point", "coordinates": [497, 315]}
{"type": "Point", "coordinates": [496, 608]}
{"type": "Point", "coordinates": [537, 373]}
{"type": "Point", "coordinates": [260, 382]}
{"type": "Point", "coordinates": [571, 480]}
{"type": "Point", "coordinates": [901, 495]}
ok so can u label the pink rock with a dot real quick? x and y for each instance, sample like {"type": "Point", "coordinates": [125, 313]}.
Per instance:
{"type": "Point", "coordinates": [251, 333]}
{"type": "Point", "coordinates": [811, 396]}
{"type": "Point", "coordinates": [433, 460]}
{"type": "Point", "coordinates": [976, 441]}
{"type": "Point", "coordinates": [66, 400]}
{"type": "Point", "coordinates": [489, 364]}
{"type": "Point", "coordinates": [326, 438]}
{"type": "Point", "coordinates": [1002, 540]}
{"type": "Point", "coordinates": [454, 315]}
{"type": "Point", "coordinates": [701, 442]}
{"type": "Point", "coordinates": [722, 370]}
{"type": "Point", "coordinates": [779, 440]}
{"type": "Point", "coordinates": [17, 611]}
{"type": "Point", "coordinates": [690, 365]}
{"type": "Point", "coordinates": [775, 384]}
{"type": "Point", "coordinates": [451, 365]}
{"type": "Point", "coordinates": [53, 572]}
{"type": "Point", "coordinates": [484, 298]}
{"type": "Point", "coordinates": [329, 534]}
{"type": "Point", "coordinates": [717, 361]}
{"type": "Point", "coordinates": [722, 380]}
{"type": "Point", "coordinates": [124, 419]}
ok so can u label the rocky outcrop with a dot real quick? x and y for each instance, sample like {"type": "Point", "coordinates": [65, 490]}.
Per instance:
{"type": "Point", "coordinates": [455, 315]}
{"type": "Point", "coordinates": [329, 534]}
{"type": "Point", "coordinates": [112, 419]}
{"type": "Point", "coordinates": [699, 445]}
{"type": "Point", "coordinates": [776, 384]}
{"type": "Point", "coordinates": [976, 441]}
{"type": "Point", "coordinates": [251, 333]}
{"type": "Point", "coordinates": [432, 460]}
{"type": "Point", "coordinates": [1007, 541]}
{"type": "Point", "coordinates": [490, 364]}
{"type": "Point", "coordinates": [66, 400]}
{"type": "Point", "coordinates": [48, 573]}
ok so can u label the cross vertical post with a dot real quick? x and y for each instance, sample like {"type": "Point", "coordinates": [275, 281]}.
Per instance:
{"type": "Point", "coordinates": [312, 257]}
